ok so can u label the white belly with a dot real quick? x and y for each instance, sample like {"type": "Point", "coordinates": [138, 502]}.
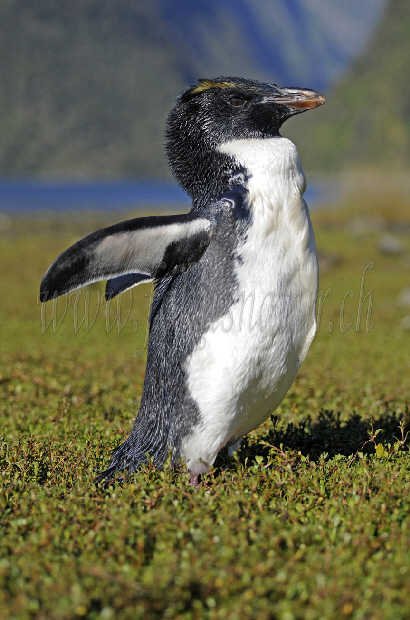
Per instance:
{"type": "Point", "coordinates": [246, 362]}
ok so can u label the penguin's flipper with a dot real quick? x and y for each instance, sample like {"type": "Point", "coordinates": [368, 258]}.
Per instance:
{"type": "Point", "coordinates": [146, 248]}
{"type": "Point", "coordinates": [115, 286]}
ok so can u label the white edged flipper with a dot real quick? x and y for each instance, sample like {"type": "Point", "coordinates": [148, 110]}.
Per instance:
{"type": "Point", "coordinates": [137, 250]}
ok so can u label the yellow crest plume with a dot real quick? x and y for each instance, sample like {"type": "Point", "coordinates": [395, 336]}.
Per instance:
{"type": "Point", "coordinates": [205, 84]}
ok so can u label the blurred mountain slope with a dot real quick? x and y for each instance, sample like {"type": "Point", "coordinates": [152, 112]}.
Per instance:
{"type": "Point", "coordinates": [86, 85]}
{"type": "Point", "coordinates": [366, 120]}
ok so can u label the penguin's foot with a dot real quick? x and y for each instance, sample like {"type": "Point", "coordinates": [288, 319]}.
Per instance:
{"type": "Point", "coordinates": [193, 478]}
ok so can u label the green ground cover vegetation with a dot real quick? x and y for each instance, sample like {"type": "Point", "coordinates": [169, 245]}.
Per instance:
{"type": "Point", "coordinates": [311, 519]}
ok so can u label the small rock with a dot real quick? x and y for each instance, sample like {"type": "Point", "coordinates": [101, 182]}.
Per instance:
{"type": "Point", "coordinates": [404, 297]}
{"type": "Point", "coordinates": [362, 225]}
{"type": "Point", "coordinates": [405, 323]}
{"type": "Point", "coordinates": [391, 244]}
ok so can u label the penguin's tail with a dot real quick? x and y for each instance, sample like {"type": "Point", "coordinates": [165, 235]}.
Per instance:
{"type": "Point", "coordinates": [124, 460]}
{"type": "Point", "coordinates": [105, 477]}
{"type": "Point", "coordinates": [128, 458]}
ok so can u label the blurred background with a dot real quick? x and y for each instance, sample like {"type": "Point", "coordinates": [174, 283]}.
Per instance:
{"type": "Point", "coordinates": [86, 87]}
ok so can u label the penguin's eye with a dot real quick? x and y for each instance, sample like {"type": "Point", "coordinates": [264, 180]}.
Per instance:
{"type": "Point", "coordinates": [237, 102]}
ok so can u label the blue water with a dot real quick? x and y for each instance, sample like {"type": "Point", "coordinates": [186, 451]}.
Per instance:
{"type": "Point", "coordinates": [31, 196]}
{"type": "Point", "coordinates": [34, 196]}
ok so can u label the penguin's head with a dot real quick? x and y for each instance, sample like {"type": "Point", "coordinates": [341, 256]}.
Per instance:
{"type": "Point", "coordinates": [213, 112]}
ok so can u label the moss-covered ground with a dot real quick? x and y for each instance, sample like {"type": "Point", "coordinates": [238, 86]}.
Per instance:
{"type": "Point", "coordinates": [310, 520]}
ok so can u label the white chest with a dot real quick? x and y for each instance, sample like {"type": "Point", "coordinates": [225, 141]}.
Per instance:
{"type": "Point", "coordinates": [246, 362]}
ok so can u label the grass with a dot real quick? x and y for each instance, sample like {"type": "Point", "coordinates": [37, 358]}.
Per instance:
{"type": "Point", "coordinates": [311, 519]}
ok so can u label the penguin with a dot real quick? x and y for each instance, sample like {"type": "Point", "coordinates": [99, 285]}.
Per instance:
{"type": "Point", "coordinates": [236, 278]}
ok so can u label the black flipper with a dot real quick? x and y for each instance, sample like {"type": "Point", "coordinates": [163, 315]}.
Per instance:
{"type": "Point", "coordinates": [145, 248]}
{"type": "Point", "coordinates": [115, 286]}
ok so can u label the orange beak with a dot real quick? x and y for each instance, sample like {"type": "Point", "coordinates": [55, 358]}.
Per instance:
{"type": "Point", "coordinates": [298, 98]}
